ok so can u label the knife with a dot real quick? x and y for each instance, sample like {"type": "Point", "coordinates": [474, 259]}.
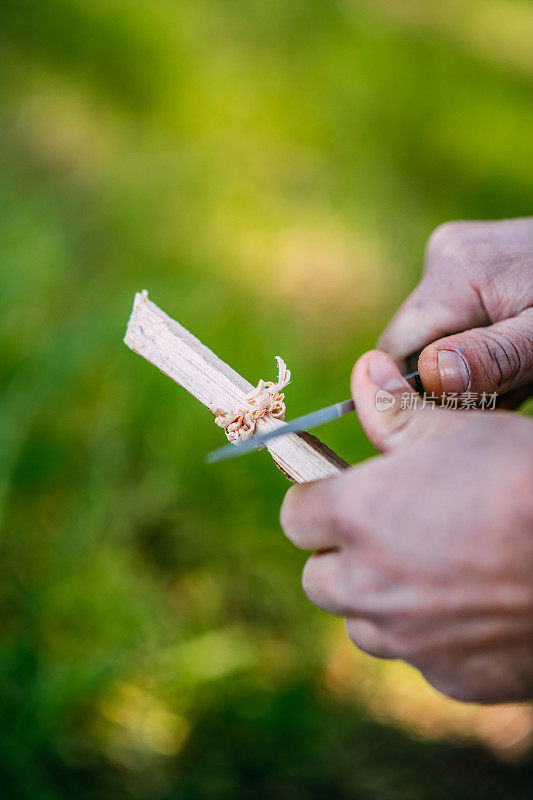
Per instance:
{"type": "Point", "coordinates": [303, 423]}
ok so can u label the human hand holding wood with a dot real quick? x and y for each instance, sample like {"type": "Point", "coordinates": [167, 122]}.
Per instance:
{"type": "Point", "coordinates": [427, 550]}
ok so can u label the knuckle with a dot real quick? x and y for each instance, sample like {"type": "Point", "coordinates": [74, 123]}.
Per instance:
{"type": "Point", "coordinates": [458, 685]}
{"type": "Point", "coordinates": [300, 536]}
{"type": "Point", "coordinates": [406, 639]}
{"type": "Point", "coordinates": [321, 587]}
{"type": "Point", "coordinates": [368, 637]}
{"type": "Point", "coordinates": [348, 501]}
{"type": "Point", "coordinates": [313, 579]}
{"type": "Point", "coordinates": [409, 647]}
{"type": "Point", "coordinates": [506, 356]}
{"type": "Point", "coordinates": [289, 511]}
{"type": "Point", "coordinates": [308, 517]}
{"type": "Point", "coordinates": [474, 679]}
{"type": "Point", "coordinates": [445, 234]}
{"type": "Point", "coordinates": [450, 687]}
{"type": "Point", "coordinates": [449, 243]}
{"type": "Point", "coordinates": [309, 578]}
{"type": "Point", "coordinates": [338, 517]}
{"type": "Point", "coordinates": [295, 523]}
{"type": "Point", "coordinates": [351, 630]}
{"type": "Point", "coordinates": [339, 521]}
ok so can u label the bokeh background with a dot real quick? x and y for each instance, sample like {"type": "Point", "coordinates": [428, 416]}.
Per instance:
{"type": "Point", "coordinates": [269, 170]}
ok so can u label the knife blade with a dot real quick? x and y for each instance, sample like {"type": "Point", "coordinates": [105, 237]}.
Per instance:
{"type": "Point", "coordinates": [297, 425]}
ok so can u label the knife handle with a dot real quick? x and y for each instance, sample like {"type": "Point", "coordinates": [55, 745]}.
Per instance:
{"type": "Point", "coordinates": [412, 366]}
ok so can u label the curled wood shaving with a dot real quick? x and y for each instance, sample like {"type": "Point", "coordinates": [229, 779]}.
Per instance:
{"type": "Point", "coordinates": [267, 398]}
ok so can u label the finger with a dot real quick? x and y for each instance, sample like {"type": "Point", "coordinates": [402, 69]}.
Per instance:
{"type": "Point", "coordinates": [424, 317]}
{"type": "Point", "coordinates": [495, 359]}
{"type": "Point", "coordinates": [391, 414]}
{"type": "Point", "coordinates": [306, 516]}
{"type": "Point", "coordinates": [444, 302]}
{"type": "Point", "coordinates": [367, 636]}
{"type": "Point", "coordinates": [323, 582]}
{"type": "Point", "coordinates": [487, 677]}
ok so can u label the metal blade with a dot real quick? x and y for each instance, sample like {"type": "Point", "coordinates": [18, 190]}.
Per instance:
{"type": "Point", "coordinates": [297, 425]}
{"type": "Point", "coordinates": [303, 423]}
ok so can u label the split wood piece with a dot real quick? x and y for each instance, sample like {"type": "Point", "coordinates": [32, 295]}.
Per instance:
{"type": "Point", "coordinates": [180, 355]}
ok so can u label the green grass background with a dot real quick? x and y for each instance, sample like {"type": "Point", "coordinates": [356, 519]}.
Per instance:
{"type": "Point", "coordinates": [269, 170]}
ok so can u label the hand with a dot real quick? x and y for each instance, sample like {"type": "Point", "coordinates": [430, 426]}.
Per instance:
{"type": "Point", "coordinates": [428, 550]}
{"type": "Point", "coordinates": [478, 278]}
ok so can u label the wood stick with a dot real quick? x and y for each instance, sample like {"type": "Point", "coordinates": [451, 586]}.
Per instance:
{"type": "Point", "coordinates": [180, 355]}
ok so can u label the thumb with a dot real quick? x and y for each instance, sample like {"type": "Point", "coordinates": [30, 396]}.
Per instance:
{"type": "Point", "coordinates": [391, 413]}
{"type": "Point", "coordinates": [497, 358]}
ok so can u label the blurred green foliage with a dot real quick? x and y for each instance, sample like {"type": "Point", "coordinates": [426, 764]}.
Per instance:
{"type": "Point", "coordinates": [270, 172]}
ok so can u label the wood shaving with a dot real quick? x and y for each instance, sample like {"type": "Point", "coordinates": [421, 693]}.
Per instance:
{"type": "Point", "coordinates": [267, 398]}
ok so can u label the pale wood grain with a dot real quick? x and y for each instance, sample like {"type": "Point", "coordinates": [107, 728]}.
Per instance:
{"type": "Point", "coordinates": [175, 351]}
